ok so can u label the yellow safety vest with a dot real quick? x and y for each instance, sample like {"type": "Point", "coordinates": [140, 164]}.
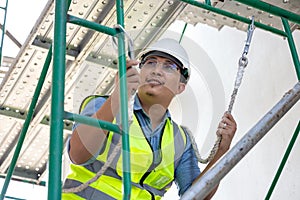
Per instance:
{"type": "Point", "coordinates": [148, 181]}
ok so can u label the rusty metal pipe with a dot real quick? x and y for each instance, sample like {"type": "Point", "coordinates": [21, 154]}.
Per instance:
{"type": "Point", "coordinates": [213, 176]}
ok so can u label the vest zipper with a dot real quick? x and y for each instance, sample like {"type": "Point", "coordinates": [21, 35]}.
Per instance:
{"type": "Point", "coordinates": [152, 167]}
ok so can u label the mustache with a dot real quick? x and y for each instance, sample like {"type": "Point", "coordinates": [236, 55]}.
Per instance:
{"type": "Point", "coordinates": [155, 79]}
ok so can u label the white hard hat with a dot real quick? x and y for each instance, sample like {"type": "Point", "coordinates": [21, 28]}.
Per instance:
{"type": "Point", "coordinates": [173, 48]}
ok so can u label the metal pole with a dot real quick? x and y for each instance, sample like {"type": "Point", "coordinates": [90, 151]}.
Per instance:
{"type": "Point", "coordinates": [292, 46]}
{"type": "Point", "coordinates": [26, 123]}
{"type": "Point", "coordinates": [57, 101]}
{"type": "Point", "coordinates": [208, 2]}
{"type": "Point", "coordinates": [92, 122]}
{"type": "Point", "coordinates": [234, 16]}
{"type": "Point", "coordinates": [213, 176]}
{"type": "Point", "coordinates": [272, 9]}
{"type": "Point", "coordinates": [284, 159]}
{"type": "Point", "coordinates": [92, 25]}
{"type": "Point", "coordinates": [11, 37]}
{"type": "Point", "coordinates": [124, 103]}
{"type": "Point", "coordinates": [3, 31]}
{"type": "Point", "coordinates": [184, 28]}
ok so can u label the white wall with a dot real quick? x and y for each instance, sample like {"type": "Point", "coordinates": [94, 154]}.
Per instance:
{"type": "Point", "coordinates": [269, 74]}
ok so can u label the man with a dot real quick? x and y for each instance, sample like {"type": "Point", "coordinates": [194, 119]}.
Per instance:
{"type": "Point", "coordinates": [160, 150]}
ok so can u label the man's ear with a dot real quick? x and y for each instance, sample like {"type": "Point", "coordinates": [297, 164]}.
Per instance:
{"type": "Point", "coordinates": [181, 87]}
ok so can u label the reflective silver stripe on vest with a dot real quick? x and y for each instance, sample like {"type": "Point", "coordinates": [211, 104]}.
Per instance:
{"type": "Point", "coordinates": [179, 144]}
{"type": "Point", "coordinates": [91, 193]}
{"type": "Point", "coordinates": [96, 166]}
{"type": "Point", "coordinates": [88, 193]}
{"type": "Point", "coordinates": [179, 149]}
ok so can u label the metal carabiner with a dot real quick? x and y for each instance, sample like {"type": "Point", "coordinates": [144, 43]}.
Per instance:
{"type": "Point", "coordinates": [249, 36]}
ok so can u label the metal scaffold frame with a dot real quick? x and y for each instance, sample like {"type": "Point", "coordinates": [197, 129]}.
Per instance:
{"type": "Point", "coordinates": [3, 29]}
{"type": "Point", "coordinates": [57, 111]}
{"type": "Point", "coordinates": [214, 175]}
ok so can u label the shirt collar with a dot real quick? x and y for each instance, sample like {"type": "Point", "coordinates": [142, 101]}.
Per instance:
{"type": "Point", "coordinates": [137, 106]}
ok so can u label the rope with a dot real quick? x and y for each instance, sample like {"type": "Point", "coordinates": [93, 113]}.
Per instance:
{"type": "Point", "coordinates": [243, 61]}
{"type": "Point", "coordinates": [98, 174]}
{"type": "Point", "coordinates": [119, 144]}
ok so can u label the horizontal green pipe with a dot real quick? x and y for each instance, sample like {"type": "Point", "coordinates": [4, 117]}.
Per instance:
{"type": "Point", "coordinates": [92, 122]}
{"type": "Point", "coordinates": [272, 9]}
{"type": "Point", "coordinates": [92, 25]}
{"type": "Point", "coordinates": [234, 16]}
{"type": "Point", "coordinates": [15, 198]}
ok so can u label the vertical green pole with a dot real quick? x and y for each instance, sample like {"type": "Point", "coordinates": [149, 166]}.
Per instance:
{"type": "Point", "coordinates": [208, 2]}
{"type": "Point", "coordinates": [183, 31]}
{"type": "Point", "coordinates": [26, 123]}
{"type": "Point", "coordinates": [284, 159]}
{"type": "Point", "coordinates": [293, 140]}
{"type": "Point", "coordinates": [57, 101]}
{"type": "Point", "coordinates": [292, 46]}
{"type": "Point", "coordinates": [124, 103]}
{"type": "Point", "coordinates": [3, 31]}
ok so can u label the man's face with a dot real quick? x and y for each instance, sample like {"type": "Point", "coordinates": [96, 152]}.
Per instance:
{"type": "Point", "coordinates": [160, 77]}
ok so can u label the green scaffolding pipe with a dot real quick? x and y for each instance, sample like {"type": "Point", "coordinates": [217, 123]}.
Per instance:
{"type": "Point", "coordinates": [92, 122]}
{"type": "Point", "coordinates": [234, 16]}
{"type": "Point", "coordinates": [92, 25]}
{"type": "Point", "coordinates": [272, 9]}
{"type": "Point", "coordinates": [124, 103]}
{"type": "Point", "coordinates": [208, 2]}
{"type": "Point", "coordinates": [26, 124]}
{"type": "Point", "coordinates": [3, 31]}
{"type": "Point", "coordinates": [183, 31]}
{"type": "Point", "coordinates": [283, 161]}
{"type": "Point", "coordinates": [15, 198]}
{"type": "Point", "coordinates": [57, 101]}
{"type": "Point", "coordinates": [292, 46]}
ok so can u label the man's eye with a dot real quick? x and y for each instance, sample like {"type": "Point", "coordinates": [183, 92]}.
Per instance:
{"type": "Point", "coordinates": [151, 62]}
{"type": "Point", "coordinates": [170, 67]}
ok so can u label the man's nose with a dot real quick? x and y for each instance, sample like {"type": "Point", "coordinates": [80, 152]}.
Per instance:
{"type": "Point", "coordinates": [158, 69]}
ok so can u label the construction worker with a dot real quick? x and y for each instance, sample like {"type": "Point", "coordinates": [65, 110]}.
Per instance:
{"type": "Point", "coordinates": [160, 150]}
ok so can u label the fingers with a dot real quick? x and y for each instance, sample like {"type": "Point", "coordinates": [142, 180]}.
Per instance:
{"type": "Point", "coordinates": [227, 122]}
{"type": "Point", "coordinates": [130, 63]}
{"type": "Point", "coordinates": [226, 128]}
{"type": "Point", "coordinates": [133, 79]}
{"type": "Point", "coordinates": [132, 73]}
